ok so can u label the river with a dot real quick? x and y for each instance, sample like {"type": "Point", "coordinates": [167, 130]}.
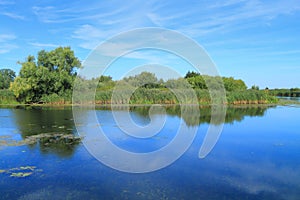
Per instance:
{"type": "Point", "coordinates": [256, 156]}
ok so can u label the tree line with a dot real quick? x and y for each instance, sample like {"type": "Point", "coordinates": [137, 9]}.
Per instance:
{"type": "Point", "coordinates": [49, 78]}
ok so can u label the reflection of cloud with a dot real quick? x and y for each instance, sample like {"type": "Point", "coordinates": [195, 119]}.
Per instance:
{"type": "Point", "coordinates": [258, 177]}
{"type": "Point", "coordinates": [58, 193]}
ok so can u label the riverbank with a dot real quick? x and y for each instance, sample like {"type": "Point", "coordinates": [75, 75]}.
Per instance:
{"type": "Point", "coordinates": [280, 102]}
{"type": "Point", "coordinates": [157, 96]}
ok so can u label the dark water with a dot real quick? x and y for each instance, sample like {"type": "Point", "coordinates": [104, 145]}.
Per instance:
{"type": "Point", "coordinates": [256, 157]}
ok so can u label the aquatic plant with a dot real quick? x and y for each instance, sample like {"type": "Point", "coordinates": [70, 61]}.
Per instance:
{"type": "Point", "coordinates": [20, 172]}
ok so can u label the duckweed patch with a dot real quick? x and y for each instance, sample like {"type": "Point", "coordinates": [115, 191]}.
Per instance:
{"type": "Point", "coordinates": [20, 172]}
{"type": "Point", "coordinates": [45, 138]}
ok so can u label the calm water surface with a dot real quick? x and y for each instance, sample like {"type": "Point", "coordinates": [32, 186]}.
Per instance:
{"type": "Point", "coordinates": [256, 157]}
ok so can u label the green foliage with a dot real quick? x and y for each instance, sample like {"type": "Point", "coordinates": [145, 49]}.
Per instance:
{"type": "Point", "coordinates": [201, 82]}
{"type": "Point", "coordinates": [6, 77]}
{"type": "Point", "coordinates": [142, 79]}
{"type": "Point", "coordinates": [105, 83]}
{"type": "Point", "coordinates": [191, 74]}
{"type": "Point", "coordinates": [50, 80]}
{"type": "Point", "coordinates": [254, 87]}
{"type": "Point", "coordinates": [53, 74]}
{"type": "Point", "coordinates": [179, 83]}
{"type": "Point", "coordinates": [7, 97]}
{"type": "Point", "coordinates": [232, 84]}
{"type": "Point", "coordinates": [146, 89]}
{"type": "Point", "coordinates": [292, 92]}
{"type": "Point", "coordinates": [250, 97]}
{"type": "Point", "coordinates": [197, 82]}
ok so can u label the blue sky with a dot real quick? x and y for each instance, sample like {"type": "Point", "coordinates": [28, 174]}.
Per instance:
{"type": "Point", "coordinates": [257, 41]}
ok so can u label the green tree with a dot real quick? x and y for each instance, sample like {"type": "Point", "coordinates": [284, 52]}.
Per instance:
{"type": "Point", "coordinates": [197, 82]}
{"type": "Point", "coordinates": [146, 79]}
{"type": "Point", "coordinates": [53, 73]}
{"type": "Point", "coordinates": [254, 87]}
{"type": "Point", "coordinates": [191, 74]}
{"type": "Point", "coordinates": [6, 77]}
{"type": "Point", "coordinates": [179, 83]}
{"type": "Point", "coordinates": [232, 84]}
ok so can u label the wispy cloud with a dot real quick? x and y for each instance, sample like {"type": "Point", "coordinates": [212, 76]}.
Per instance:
{"type": "Point", "coordinates": [89, 35]}
{"type": "Point", "coordinates": [6, 2]}
{"type": "Point", "coordinates": [71, 13]}
{"type": "Point", "coordinates": [37, 44]}
{"type": "Point", "coordinates": [6, 44]}
{"type": "Point", "coordinates": [198, 21]}
{"type": "Point", "coordinates": [6, 37]}
{"type": "Point", "coordinates": [5, 48]}
{"type": "Point", "coordinates": [13, 15]}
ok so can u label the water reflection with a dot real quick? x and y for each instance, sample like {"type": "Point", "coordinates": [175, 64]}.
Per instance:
{"type": "Point", "coordinates": [32, 121]}
{"type": "Point", "coordinates": [46, 127]}
{"type": "Point", "coordinates": [233, 113]}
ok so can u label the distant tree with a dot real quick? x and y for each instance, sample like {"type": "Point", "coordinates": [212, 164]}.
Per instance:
{"type": "Point", "coordinates": [6, 77]}
{"type": "Point", "coordinates": [179, 83]}
{"type": "Point", "coordinates": [105, 78]}
{"type": "Point", "coordinates": [232, 84]}
{"type": "Point", "coordinates": [145, 79]}
{"type": "Point", "coordinates": [254, 87]}
{"type": "Point", "coordinates": [53, 73]}
{"type": "Point", "coordinates": [191, 74]}
{"type": "Point", "coordinates": [105, 83]}
{"type": "Point", "coordinates": [197, 82]}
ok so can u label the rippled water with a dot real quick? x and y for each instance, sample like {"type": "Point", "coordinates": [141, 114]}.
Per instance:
{"type": "Point", "coordinates": [256, 157]}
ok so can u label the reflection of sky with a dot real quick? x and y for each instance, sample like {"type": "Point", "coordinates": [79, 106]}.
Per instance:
{"type": "Point", "coordinates": [124, 141]}
{"type": "Point", "coordinates": [256, 156]}
{"type": "Point", "coordinates": [291, 98]}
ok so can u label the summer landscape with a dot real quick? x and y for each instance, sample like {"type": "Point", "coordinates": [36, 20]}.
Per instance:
{"type": "Point", "coordinates": [115, 100]}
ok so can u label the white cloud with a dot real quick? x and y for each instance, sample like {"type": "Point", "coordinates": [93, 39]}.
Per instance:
{"type": "Point", "coordinates": [70, 13]}
{"type": "Point", "coordinates": [37, 44]}
{"type": "Point", "coordinates": [6, 2]}
{"type": "Point", "coordinates": [205, 18]}
{"type": "Point", "coordinates": [6, 44]}
{"type": "Point", "coordinates": [13, 15]}
{"type": "Point", "coordinates": [89, 35]}
{"type": "Point", "coordinates": [5, 48]}
{"type": "Point", "coordinates": [6, 37]}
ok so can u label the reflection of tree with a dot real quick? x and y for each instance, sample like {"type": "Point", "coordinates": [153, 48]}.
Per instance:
{"type": "Point", "coordinates": [192, 118]}
{"type": "Point", "coordinates": [50, 128]}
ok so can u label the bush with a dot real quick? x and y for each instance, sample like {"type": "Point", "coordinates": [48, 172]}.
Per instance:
{"type": "Point", "coordinates": [7, 97]}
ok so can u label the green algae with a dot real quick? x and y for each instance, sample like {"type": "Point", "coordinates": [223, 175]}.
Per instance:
{"type": "Point", "coordinates": [20, 172]}
{"type": "Point", "coordinates": [46, 138]}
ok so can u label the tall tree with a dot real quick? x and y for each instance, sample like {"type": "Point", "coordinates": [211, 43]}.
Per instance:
{"type": "Point", "coordinates": [52, 73]}
{"type": "Point", "coordinates": [6, 77]}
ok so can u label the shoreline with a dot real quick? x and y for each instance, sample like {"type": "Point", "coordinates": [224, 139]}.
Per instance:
{"type": "Point", "coordinates": [279, 103]}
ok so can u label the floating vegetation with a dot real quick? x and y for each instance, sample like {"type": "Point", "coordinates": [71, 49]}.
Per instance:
{"type": "Point", "coordinates": [44, 138]}
{"type": "Point", "coordinates": [20, 172]}
{"type": "Point", "coordinates": [5, 136]}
